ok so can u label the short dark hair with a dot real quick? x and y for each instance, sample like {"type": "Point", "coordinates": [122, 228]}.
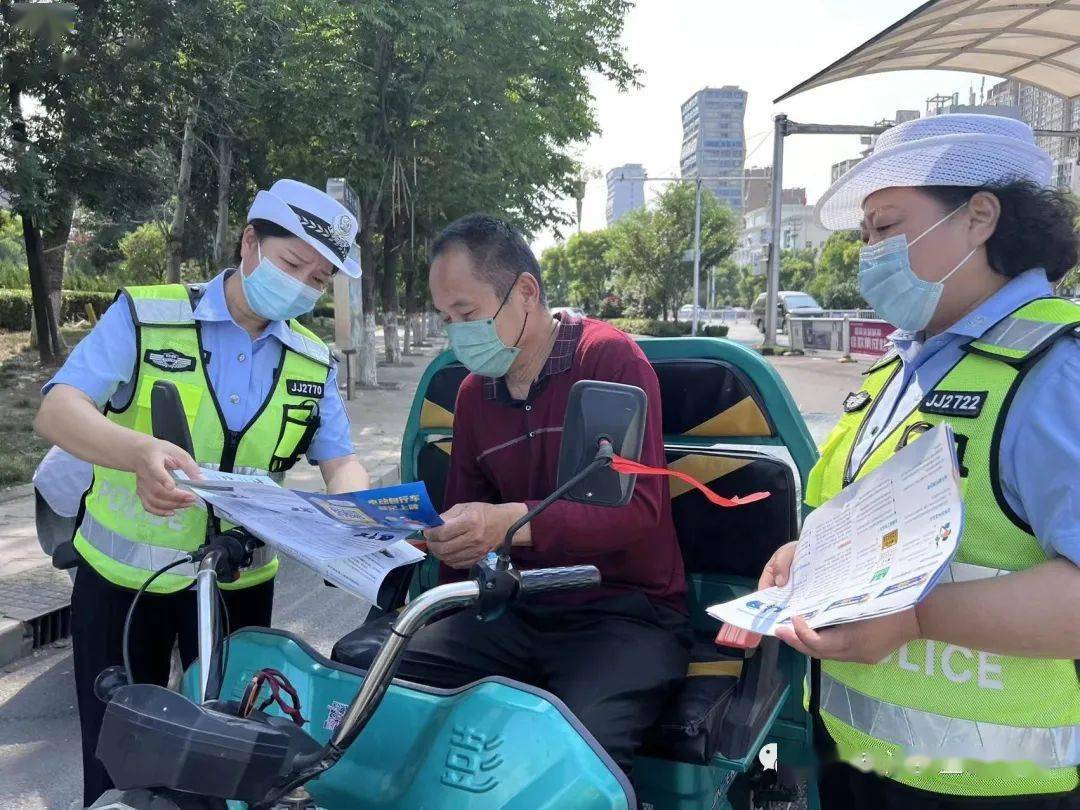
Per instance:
{"type": "Point", "coordinates": [264, 228]}
{"type": "Point", "coordinates": [1037, 226]}
{"type": "Point", "coordinates": [500, 253]}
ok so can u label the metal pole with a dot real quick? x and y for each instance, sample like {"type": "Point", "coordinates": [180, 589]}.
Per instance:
{"type": "Point", "coordinates": [210, 664]}
{"type": "Point", "coordinates": [772, 278]}
{"type": "Point", "coordinates": [697, 257]}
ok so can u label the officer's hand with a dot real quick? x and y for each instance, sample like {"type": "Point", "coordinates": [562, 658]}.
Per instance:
{"type": "Point", "coordinates": [778, 568]}
{"type": "Point", "coordinates": [864, 642]}
{"type": "Point", "coordinates": [153, 461]}
{"type": "Point", "coordinates": [470, 531]}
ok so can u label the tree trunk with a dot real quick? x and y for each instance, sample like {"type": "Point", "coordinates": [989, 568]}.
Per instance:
{"type": "Point", "coordinates": [54, 243]}
{"type": "Point", "coordinates": [44, 321]}
{"type": "Point", "coordinates": [44, 316]}
{"type": "Point", "coordinates": [391, 259]}
{"type": "Point", "coordinates": [366, 360]}
{"type": "Point", "coordinates": [224, 172]}
{"type": "Point", "coordinates": [183, 191]}
{"type": "Point", "coordinates": [411, 338]}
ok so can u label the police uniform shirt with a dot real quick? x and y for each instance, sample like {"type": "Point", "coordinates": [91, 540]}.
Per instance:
{"type": "Point", "coordinates": [1040, 442]}
{"type": "Point", "coordinates": [241, 370]}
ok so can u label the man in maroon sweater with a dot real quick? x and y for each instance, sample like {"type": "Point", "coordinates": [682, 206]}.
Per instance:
{"type": "Point", "coordinates": [611, 653]}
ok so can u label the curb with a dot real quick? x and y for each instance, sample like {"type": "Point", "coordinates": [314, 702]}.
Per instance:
{"type": "Point", "coordinates": [15, 642]}
{"type": "Point", "coordinates": [16, 492]}
{"type": "Point", "coordinates": [385, 475]}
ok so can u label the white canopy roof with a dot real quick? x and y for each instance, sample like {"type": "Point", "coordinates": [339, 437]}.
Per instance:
{"type": "Point", "coordinates": [1035, 41]}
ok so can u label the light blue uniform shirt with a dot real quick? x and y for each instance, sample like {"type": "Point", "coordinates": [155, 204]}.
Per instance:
{"type": "Point", "coordinates": [241, 370]}
{"type": "Point", "coordinates": [1040, 442]}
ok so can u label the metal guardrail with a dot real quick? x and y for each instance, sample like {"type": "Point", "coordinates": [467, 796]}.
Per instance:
{"type": "Point", "coordinates": [724, 315]}
{"type": "Point", "coordinates": [859, 314]}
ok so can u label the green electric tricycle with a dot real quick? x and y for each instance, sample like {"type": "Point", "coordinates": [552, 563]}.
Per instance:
{"type": "Point", "coordinates": [334, 735]}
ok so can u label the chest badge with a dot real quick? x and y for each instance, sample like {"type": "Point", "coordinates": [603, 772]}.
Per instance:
{"type": "Point", "coordinates": [304, 388]}
{"type": "Point", "coordinates": [967, 404]}
{"type": "Point", "coordinates": [856, 401]}
{"type": "Point", "coordinates": [169, 360]}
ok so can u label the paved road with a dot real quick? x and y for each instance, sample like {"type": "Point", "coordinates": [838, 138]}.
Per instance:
{"type": "Point", "coordinates": [39, 740]}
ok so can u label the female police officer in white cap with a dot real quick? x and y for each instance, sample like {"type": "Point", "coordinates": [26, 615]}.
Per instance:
{"type": "Point", "coordinates": [258, 389]}
{"type": "Point", "coordinates": [973, 695]}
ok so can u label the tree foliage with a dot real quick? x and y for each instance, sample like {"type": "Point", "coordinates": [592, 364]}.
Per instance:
{"type": "Point", "coordinates": [836, 282]}
{"type": "Point", "coordinates": [644, 256]}
{"type": "Point", "coordinates": [428, 110]}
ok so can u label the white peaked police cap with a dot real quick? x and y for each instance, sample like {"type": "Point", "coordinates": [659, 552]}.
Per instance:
{"type": "Point", "coordinates": [940, 150]}
{"type": "Point", "coordinates": [314, 216]}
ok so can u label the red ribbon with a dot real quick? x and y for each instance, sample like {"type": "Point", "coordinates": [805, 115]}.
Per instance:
{"type": "Point", "coordinates": [628, 467]}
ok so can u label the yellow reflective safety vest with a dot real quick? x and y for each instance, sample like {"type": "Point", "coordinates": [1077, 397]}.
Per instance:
{"type": "Point", "coordinates": [121, 540]}
{"type": "Point", "coordinates": [935, 716]}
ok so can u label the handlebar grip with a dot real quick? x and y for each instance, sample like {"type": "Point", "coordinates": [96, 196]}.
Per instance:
{"type": "Point", "coordinates": [540, 580]}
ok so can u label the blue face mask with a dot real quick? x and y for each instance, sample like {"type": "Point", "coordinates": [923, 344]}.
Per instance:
{"type": "Point", "coordinates": [480, 349]}
{"type": "Point", "coordinates": [891, 287]}
{"type": "Point", "coordinates": [274, 294]}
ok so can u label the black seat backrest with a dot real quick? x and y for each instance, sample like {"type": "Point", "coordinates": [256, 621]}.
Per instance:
{"type": "Point", "coordinates": [735, 541]}
{"type": "Point", "coordinates": [704, 398]}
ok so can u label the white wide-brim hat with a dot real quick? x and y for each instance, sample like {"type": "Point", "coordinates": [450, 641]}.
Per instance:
{"type": "Point", "coordinates": [314, 216]}
{"type": "Point", "coordinates": [941, 150]}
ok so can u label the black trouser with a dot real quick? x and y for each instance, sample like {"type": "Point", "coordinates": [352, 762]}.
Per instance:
{"type": "Point", "coordinates": [613, 662]}
{"type": "Point", "coordinates": [98, 609]}
{"type": "Point", "coordinates": [843, 787]}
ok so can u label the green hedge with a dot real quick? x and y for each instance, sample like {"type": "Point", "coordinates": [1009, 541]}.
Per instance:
{"type": "Point", "coordinates": [644, 326]}
{"type": "Point", "coordinates": [720, 330]}
{"type": "Point", "coordinates": [15, 307]}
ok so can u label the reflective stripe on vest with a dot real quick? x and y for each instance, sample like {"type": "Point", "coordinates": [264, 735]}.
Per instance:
{"type": "Point", "coordinates": [150, 311]}
{"type": "Point", "coordinates": [1019, 334]}
{"type": "Point", "coordinates": [151, 558]}
{"type": "Point", "coordinates": [915, 730]}
{"type": "Point", "coordinates": [302, 344]}
{"type": "Point", "coordinates": [241, 469]}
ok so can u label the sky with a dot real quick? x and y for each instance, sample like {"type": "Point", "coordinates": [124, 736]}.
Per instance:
{"type": "Point", "coordinates": [765, 47]}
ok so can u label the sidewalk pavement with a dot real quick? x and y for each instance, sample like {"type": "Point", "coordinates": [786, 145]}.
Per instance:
{"type": "Point", "coordinates": [30, 587]}
{"type": "Point", "coordinates": [746, 333]}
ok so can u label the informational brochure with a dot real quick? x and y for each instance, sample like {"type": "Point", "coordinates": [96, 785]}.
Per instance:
{"type": "Point", "coordinates": [353, 539]}
{"type": "Point", "coordinates": [877, 548]}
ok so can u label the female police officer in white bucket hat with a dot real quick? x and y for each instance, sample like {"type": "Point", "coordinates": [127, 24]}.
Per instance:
{"type": "Point", "coordinates": [973, 695]}
{"type": "Point", "coordinates": [258, 389]}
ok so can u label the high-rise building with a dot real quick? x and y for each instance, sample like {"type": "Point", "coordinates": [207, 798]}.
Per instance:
{"type": "Point", "coordinates": [1041, 109]}
{"type": "Point", "coordinates": [625, 190]}
{"type": "Point", "coordinates": [714, 143]}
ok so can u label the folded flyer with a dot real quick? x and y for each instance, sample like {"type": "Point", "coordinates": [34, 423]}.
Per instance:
{"type": "Point", "coordinates": [877, 548]}
{"type": "Point", "coordinates": [353, 539]}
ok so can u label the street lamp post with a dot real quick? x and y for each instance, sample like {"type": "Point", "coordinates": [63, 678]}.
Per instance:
{"type": "Point", "coordinates": [697, 257]}
{"type": "Point", "coordinates": [772, 277]}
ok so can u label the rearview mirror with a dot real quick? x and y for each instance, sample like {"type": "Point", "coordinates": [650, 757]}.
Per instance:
{"type": "Point", "coordinates": [167, 416]}
{"type": "Point", "coordinates": [599, 410]}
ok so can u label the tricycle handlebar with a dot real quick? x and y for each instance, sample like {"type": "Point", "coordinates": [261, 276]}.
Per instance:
{"type": "Point", "coordinates": [559, 579]}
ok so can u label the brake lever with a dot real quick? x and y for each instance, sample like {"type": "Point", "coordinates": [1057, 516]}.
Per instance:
{"type": "Point", "coordinates": [498, 587]}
